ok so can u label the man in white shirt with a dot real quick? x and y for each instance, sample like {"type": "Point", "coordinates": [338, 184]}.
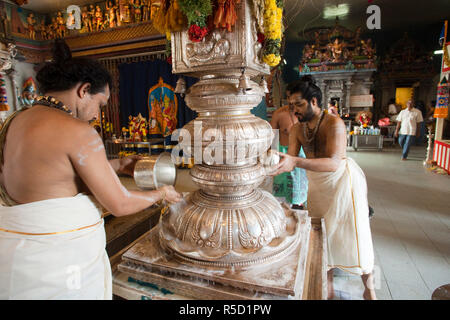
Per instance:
{"type": "Point", "coordinates": [407, 122]}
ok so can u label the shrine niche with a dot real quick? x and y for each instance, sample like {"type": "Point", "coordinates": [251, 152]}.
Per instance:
{"type": "Point", "coordinates": [406, 65]}
{"type": "Point", "coordinates": [337, 48]}
{"type": "Point", "coordinates": [342, 63]}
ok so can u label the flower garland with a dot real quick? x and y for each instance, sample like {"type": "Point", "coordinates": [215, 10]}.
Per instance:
{"type": "Point", "coordinates": [197, 12]}
{"type": "Point", "coordinates": [273, 14]}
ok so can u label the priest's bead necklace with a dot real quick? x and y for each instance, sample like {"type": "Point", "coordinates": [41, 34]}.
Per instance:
{"type": "Point", "coordinates": [53, 103]}
{"type": "Point", "coordinates": [310, 134]}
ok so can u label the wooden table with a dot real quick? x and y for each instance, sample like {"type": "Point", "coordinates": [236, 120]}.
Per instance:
{"type": "Point", "coordinates": [315, 285]}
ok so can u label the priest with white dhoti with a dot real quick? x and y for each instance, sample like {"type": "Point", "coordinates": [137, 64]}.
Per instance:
{"type": "Point", "coordinates": [54, 181]}
{"type": "Point", "coordinates": [337, 189]}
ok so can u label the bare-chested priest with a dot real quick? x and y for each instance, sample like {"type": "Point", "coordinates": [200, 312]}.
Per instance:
{"type": "Point", "coordinates": [337, 186]}
{"type": "Point", "coordinates": [293, 186]}
{"type": "Point", "coordinates": [52, 237]}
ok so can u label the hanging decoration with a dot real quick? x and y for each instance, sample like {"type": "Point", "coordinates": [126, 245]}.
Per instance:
{"type": "Point", "coordinates": [441, 110]}
{"type": "Point", "coordinates": [158, 15]}
{"type": "Point", "coordinates": [197, 13]}
{"type": "Point", "coordinates": [3, 98]}
{"type": "Point", "coordinates": [226, 16]}
{"type": "Point", "coordinates": [175, 19]}
{"type": "Point", "coordinates": [273, 15]}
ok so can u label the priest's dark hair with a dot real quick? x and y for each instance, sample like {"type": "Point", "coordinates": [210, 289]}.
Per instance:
{"type": "Point", "coordinates": [64, 72]}
{"type": "Point", "coordinates": [307, 87]}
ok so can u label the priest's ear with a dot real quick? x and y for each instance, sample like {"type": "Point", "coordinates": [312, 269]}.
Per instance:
{"type": "Point", "coordinates": [83, 89]}
{"type": "Point", "coordinates": [314, 102]}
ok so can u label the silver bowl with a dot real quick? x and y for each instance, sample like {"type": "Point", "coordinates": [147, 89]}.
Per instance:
{"type": "Point", "coordinates": [155, 171]}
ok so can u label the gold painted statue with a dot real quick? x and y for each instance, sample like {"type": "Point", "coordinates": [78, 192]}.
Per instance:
{"type": "Point", "coordinates": [61, 26]}
{"type": "Point", "coordinates": [43, 30]}
{"type": "Point", "coordinates": [98, 18]}
{"type": "Point", "coordinates": [31, 23]}
{"type": "Point", "coordinates": [126, 16]}
{"type": "Point", "coordinates": [146, 5]}
{"type": "Point", "coordinates": [337, 48]}
{"type": "Point", "coordinates": [87, 23]}
{"type": "Point", "coordinates": [91, 14]}
{"type": "Point", "coordinates": [137, 10]}
{"type": "Point", "coordinates": [112, 13]}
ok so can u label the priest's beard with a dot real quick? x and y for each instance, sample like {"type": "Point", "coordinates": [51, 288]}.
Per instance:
{"type": "Point", "coordinates": [307, 116]}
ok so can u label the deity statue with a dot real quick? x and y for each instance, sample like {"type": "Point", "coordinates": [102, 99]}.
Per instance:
{"type": "Point", "coordinates": [91, 14]}
{"type": "Point", "coordinates": [325, 56]}
{"type": "Point", "coordinates": [29, 93]}
{"type": "Point", "coordinates": [31, 23]}
{"type": "Point", "coordinates": [43, 30]}
{"type": "Point", "coordinates": [61, 26]}
{"type": "Point", "coordinates": [308, 53]}
{"type": "Point", "coordinates": [98, 18]}
{"type": "Point", "coordinates": [87, 25]}
{"type": "Point", "coordinates": [137, 10]}
{"type": "Point", "coordinates": [367, 49]}
{"type": "Point", "coordinates": [364, 118]}
{"type": "Point", "coordinates": [336, 48]}
{"type": "Point", "coordinates": [51, 29]}
{"type": "Point", "coordinates": [126, 16]}
{"type": "Point", "coordinates": [112, 14]}
{"type": "Point", "coordinates": [146, 4]}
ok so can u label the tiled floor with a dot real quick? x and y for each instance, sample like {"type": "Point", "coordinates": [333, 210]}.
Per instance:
{"type": "Point", "coordinates": [410, 228]}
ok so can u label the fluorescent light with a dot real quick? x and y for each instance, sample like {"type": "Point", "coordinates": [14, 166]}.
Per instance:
{"type": "Point", "coordinates": [331, 12]}
{"type": "Point", "coordinates": [439, 51]}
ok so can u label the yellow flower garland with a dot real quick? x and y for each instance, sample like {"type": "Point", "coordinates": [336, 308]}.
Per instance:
{"type": "Point", "coordinates": [272, 30]}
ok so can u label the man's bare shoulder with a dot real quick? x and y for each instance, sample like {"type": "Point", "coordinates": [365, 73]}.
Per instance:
{"type": "Point", "coordinates": [332, 120]}
{"type": "Point", "coordinates": [281, 110]}
{"type": "Point", "coordinates": [48, 123]}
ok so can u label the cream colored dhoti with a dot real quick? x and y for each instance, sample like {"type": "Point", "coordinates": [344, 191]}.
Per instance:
{"type": "Point", "coordinates": [341, 199]}
{"type": "Point", "coordinates": [54, 249]}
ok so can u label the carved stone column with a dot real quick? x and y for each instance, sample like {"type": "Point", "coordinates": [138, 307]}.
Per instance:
{"type": "Point", "coordinates": [348, 88]}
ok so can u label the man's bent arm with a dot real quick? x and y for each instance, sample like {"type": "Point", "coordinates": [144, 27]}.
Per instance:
{"type": "Point", "coordinates": [336, 143]}
{"type": "Point", "coordinates": [89, 160]}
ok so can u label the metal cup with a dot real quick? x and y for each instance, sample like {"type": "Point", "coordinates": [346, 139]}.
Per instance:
{"type": "Point", "coordinates": [155, 171]}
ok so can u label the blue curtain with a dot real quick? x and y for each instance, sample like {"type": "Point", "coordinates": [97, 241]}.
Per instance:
{"type": "Point", "coordinates": [135, 81]}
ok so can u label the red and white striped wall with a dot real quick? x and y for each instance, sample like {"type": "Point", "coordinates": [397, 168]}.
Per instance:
{"type": "Point", "coordinates": [442, 154]}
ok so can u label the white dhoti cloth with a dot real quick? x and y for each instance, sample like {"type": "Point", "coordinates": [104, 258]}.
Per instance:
{"type": "Point", "coordinates": [341, 199]}
{"type": "Point", "coordinates": [54, 249]}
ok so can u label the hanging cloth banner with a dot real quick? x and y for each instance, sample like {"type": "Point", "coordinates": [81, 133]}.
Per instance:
{"type": "Point", "coordinates": [3, 98]}
{"type": "Point", "coordinates": [441, 110]}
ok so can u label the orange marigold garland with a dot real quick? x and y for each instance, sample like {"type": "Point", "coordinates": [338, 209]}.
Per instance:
{"type": "Point", "coordinates": [226, 15]}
